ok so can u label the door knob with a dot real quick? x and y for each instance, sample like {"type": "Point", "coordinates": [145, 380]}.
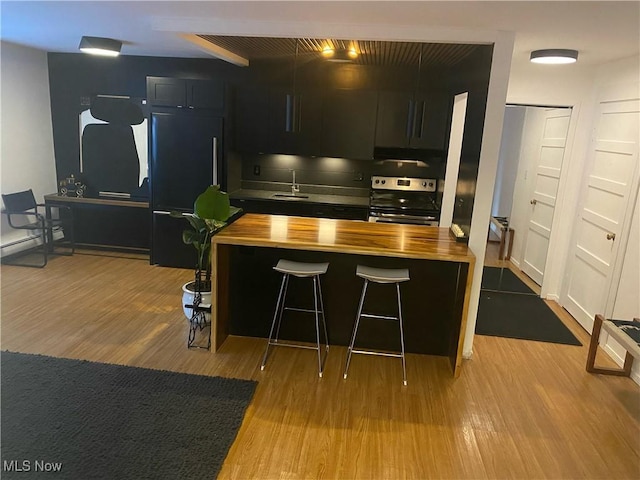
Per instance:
{"type": "Point", "coordinates": [533, 202]}
{"type": "Point", "coordinates": [611, 236]}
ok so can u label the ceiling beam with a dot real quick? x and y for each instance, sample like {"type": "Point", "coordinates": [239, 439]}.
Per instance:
{"type": "Point", "coordinates": [215, 50]}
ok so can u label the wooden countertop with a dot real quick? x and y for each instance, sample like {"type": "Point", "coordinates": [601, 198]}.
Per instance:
{"type": "Point", "coordinates": [345, 236]}
{"type": "Point", "coordinates": [54, 197]}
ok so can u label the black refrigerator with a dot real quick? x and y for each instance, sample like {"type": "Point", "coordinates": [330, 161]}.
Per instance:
{"type": "Point", "coordinates": [186, 156]}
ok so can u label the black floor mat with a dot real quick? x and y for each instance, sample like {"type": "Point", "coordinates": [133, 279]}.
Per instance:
{"type": "Point", "coordinates": [503, 280]}
{"type": "Point", "coordinates": [527, 317]}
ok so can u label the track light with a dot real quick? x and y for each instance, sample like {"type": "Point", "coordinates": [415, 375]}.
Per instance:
{"type": "Point", "coordinates": [340, 55]}
{"type": "Point", "coordinates": [100, 46]}
{"type": "Point", "coordinates": [554, 56]}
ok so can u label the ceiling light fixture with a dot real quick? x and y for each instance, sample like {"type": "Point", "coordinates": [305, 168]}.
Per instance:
{"type": "Point", "coordinates": [340, 55]}
{"type": "Point", "coordinates": [100, 46]}
{"type": "Point", "coordinates": [554, 56]}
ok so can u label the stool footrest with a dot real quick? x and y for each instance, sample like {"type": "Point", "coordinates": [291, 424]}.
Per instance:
{"type": "Point", "coordinates": [294, 345]}
{"type": "Point", "coordinates": [200, 308]}
{"type": "Point", "coordinates": [381, 354]}
{"type": "Point", "coordinates": [381, 317]}
{"type": "Point", "coordinates": [304, 310]}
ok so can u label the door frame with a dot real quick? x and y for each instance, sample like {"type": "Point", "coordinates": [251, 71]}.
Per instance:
{"type": "Point", "coordinates": [556, 236]}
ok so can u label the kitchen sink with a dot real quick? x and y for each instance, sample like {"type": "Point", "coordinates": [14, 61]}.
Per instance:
{"type": "Point", "coordinates": [289, 195]}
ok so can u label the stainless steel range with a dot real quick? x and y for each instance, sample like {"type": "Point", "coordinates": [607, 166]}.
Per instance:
{"type": "Point", "coordinates": [404, 200]}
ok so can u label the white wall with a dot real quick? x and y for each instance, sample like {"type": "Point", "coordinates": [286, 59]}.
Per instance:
{"type": "Point", "coordinates": [26, 152]}
{"type": "Point", "coordinates": [580, 88]}
{"type": "Point", "coordinates": [571, 86]}
{"type": "Point", "coordinates": [508, 161]}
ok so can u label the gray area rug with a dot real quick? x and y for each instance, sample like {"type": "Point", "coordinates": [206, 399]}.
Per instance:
{"type": "Point", "coordinates": [75, 419]}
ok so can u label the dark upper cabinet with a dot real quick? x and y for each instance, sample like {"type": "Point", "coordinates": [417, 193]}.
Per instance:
{"type": "Point", "coordinates": [277, 120]}
{"type": "Point", "coordinates": [314, 112]}
{"type": "Point", "coordinates": [251, 119]}
{"type": "Point", "coordinates": [416, 120]}
{"type": "Point", "coordinates": [295, 121]}
{"type": "Point", "coordinates": [277, 109]}
{"type": "Point", "coordinates": [413, 108]}
{"type": "Point", "coordinates": [348, 124]}
{"type": "Point", "coordinates": [185, 93]}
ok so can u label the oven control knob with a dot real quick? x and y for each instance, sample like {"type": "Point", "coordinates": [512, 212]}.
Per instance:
{"type": "Point", "coordinates": [424, 184]}
{"type": "Point", "coordinates": [384, 181]}
{"type": "Point", "coordinates": [377, 182]}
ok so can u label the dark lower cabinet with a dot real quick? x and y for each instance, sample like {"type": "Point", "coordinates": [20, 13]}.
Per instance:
{"type": "Point", "coordinates": [341, 212]}
{"type": "Point", "coordinates": [168, 247]}
{"type": "Point", "coordinates": [293, 208]}
{"type": "Point", "coordinates": [430, 300]}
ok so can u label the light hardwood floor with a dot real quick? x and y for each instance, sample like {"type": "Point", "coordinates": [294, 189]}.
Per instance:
{"type": "Point", "coordinates": [520, 409]}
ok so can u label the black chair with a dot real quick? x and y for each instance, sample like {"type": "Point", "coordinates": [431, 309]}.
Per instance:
{"type": "Point", "coordinates": [24, 213]}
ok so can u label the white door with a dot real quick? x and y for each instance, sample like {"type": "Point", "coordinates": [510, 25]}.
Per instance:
{"type": "Point", "coordinates": [543, 197]}
{"type": "Point", "coordinates": [605, 208]}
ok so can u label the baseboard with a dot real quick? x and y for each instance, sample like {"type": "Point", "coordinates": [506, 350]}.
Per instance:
{"type": "Point", "coordinates": [516, 263]}
{"type": "Point", "coordinates": [554, 297]}
{"type": "Point", "coordinates": [23, 244]}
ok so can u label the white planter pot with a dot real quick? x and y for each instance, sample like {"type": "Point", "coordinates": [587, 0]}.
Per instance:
{"type": "Point", "coordinates": [187, 299]}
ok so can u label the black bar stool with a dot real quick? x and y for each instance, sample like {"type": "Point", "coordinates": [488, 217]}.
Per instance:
{"type": "Point", "coordinates": [300, 270]}
{"type": "Point", "coordinates": [379, 275]}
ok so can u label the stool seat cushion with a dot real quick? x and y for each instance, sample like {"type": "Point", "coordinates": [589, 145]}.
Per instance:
{"type": "Point", "coordinates": [383, 275]}
{"type": "Point", "coordinates": [300, 269]}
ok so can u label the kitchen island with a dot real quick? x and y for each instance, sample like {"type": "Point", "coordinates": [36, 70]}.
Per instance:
{"type": "Point", "coordinates": [436, 300]}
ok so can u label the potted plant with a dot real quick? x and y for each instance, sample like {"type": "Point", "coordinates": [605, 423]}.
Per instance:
{"type": "Point", "coordinates": [211, 211]}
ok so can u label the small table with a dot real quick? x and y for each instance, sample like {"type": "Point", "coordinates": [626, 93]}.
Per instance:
{"type": "Point", "coordinates": [118, 224]}
{"type": "Point", "coordinates": [502, 223]}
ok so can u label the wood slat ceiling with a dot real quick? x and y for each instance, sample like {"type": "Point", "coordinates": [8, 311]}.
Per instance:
{"type": "Point", "coordinates": [371, 52]}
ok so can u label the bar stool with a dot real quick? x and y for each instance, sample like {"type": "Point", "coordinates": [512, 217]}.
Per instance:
{"type": "Point", "coordinates": [379, 275]}
{"type": "Point", "coordinates": [300, 270]}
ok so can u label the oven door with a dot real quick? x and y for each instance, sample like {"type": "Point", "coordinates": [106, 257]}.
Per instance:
{"type": "Point", "coordinates": [379, 217]}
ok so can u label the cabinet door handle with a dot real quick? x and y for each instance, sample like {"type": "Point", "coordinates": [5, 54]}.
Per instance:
{"type": "Point", "coordinates": [214, 159]}
{"type": "Point", "coordinates": [289, 106]}
{"type": "Point", "coordinates": [297, 119]}
{"type": "Point", "coordinates": [533, 202]}
{"type": "Point", "coordinates": [611, 236]}
{"type": "Point", "coordinates": [410, 119]}
{"type": "Point", "coordinates": [419, 120]}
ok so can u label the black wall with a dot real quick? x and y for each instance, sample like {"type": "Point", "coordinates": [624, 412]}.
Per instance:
{"type": "Point", "coordinates": [75, 78]}
{"type": "Point", "coordinates": [471, 76]}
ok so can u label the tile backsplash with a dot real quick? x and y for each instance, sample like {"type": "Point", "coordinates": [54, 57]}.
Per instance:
{"type": "Point", "coordinates": [321, 171]}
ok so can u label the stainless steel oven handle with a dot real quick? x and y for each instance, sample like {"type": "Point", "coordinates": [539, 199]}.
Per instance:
{"type": "Point", "coordinates": [399, 218]}
{"type": "Point", "coordinates": [405, 216]}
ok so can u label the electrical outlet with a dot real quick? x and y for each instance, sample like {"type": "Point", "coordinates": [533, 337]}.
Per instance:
{"type": "Point", "coordinates": [256, 170]}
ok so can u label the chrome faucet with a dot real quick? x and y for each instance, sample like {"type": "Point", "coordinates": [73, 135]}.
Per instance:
{"type": "Point", "coordinates": [295, 188]}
